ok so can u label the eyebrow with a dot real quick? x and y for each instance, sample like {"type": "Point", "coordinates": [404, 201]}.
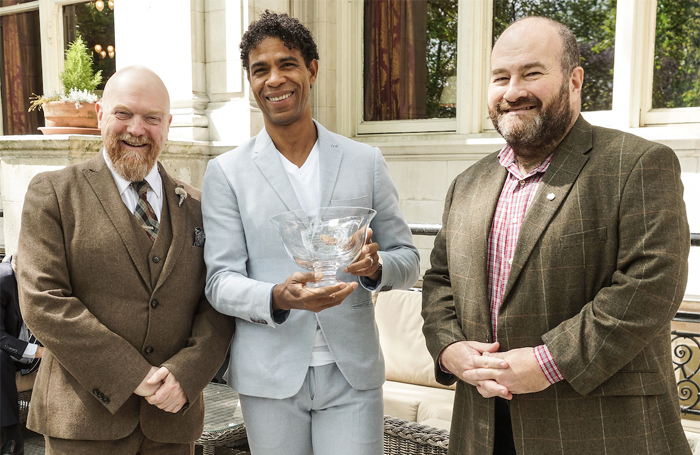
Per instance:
{"type": "Point", "coordinates": [288, 58]}
{"type": "Point", "coordinates": [524, 67]}
{"type": "Point", "coordinates": [152, 112]}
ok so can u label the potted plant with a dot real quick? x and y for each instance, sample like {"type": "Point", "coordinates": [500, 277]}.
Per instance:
{"type": "Point", "coordinates": [75, 106]}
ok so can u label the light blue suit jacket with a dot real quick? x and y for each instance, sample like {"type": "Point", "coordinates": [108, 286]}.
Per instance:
{"type": "Point", "coordinates": [245, 258]}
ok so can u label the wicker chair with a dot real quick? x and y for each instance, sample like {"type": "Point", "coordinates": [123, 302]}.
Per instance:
{"type": "Point", "coordinates": [23, 398]}
{"type": "Point", "coordinates": [402, 437]}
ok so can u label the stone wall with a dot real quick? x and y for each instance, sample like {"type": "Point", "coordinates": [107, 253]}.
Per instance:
{"type": "Point", "coordinates": [23, 157]}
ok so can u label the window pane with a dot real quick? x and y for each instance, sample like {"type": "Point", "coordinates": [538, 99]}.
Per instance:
{"type": "Point", "coordinates": [593, 24]}
{"type": "Point", "coordinates": [97, 29]}
{"type": "Point", "coordinates": [20, 72]}
{"type": "Point", "coordinates": [410, 59]}
{"type": "Point", "coordinates": [677, 56]}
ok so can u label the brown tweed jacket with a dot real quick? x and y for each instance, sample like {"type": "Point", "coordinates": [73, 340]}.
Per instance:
{"type": "Point", "coordinates": [598, 273]}
{"type": "Point", "coordinates": [86, 292]}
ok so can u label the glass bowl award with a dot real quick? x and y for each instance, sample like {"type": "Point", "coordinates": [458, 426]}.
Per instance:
{"type": "Point", "coordinates": [327, 242]}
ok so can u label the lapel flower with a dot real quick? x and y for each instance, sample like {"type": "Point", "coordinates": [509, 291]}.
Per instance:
{"type": "Point", "coordinates": [180, 191]}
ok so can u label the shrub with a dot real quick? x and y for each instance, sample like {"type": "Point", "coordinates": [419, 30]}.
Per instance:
{"type": "Point", "coordinates": [77, 73]}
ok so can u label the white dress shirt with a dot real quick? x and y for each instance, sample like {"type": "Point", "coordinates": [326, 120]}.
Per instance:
{"type": "Point", "coordinates": [129, 194]}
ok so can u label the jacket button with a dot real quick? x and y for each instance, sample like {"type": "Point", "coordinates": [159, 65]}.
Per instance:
{"type": "Point", "coordinates": [96, 392]}
{"type": "Point", "coordinates": [105, 400]}
{"type": "Point", "coordinates": [156, 259]}
{"type": "Point", "coordinates": [149, 350]}
{"type": "Point", "coordinates": [154, 303]}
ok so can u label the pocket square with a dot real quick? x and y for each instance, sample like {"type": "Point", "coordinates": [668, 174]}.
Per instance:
{"type": "Point", "coordinates": [199, 237]}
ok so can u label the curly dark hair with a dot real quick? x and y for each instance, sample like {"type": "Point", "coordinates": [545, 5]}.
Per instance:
{"type": "Point", "coordinates": [288, 29]}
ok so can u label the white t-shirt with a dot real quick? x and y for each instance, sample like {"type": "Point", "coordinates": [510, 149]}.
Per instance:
{"type": "Point", "coordinates": [306, 181]}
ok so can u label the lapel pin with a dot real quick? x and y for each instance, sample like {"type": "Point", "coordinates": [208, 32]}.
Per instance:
{"type": "Point", "coordinates": [550, 196]}
{"type": "Point", "coordinates": [182, 193]}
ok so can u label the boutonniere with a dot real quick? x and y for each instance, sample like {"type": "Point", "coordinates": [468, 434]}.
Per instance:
{"type": "Point", "coordinates": [180, 191]}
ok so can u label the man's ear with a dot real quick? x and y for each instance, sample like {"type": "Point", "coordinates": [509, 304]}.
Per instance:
{"type": "Point", "coordinates": [313, 71]}
{"type": "Point", "coordinates": [576, 81]}
{"type": "Point", "coordinates": [98, 111]}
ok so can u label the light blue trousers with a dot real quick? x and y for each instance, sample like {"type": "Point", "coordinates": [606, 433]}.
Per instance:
{"type": "Point", "coordinates": [326, 417]}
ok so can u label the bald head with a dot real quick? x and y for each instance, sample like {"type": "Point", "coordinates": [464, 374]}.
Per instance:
{"type": "Point", "coordinates": [136, 80]}
{"type": "Point", "coordinates": [549, 29]}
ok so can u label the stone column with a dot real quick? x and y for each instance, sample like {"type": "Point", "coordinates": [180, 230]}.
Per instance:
{"type": "Point", "coordinates": [169, 38]}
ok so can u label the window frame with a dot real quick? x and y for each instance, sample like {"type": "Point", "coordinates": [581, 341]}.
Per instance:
{"type": "Point", "coordinates": [471, 35]}
{"type": "Point", "coordinates": [52, 45]}
{"type": "Point", "coordinates": [51, 39]}
{"type": "Point", "coordinates": [632, 81]}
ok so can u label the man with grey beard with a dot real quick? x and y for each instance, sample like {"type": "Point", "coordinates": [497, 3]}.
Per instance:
{"type": "Point", "coordinates": [561, 260]}
{"type": "Point", "coordinates": [111, 274]}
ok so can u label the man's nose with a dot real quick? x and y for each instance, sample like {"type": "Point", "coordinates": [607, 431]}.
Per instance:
{"type": "Point", "coordinates": [137, 126]}
{"type": "Point", "coordinates": [515, 90]}
{"type": "Point", "coordinates": [276, 77]}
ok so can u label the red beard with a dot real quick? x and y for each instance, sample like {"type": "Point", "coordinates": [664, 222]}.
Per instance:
{"type": "Point", "coordinates": [132, 165]}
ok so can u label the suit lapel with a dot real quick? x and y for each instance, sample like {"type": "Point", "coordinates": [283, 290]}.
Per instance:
{"type": "Point", "coordinates": [479, 213]}
{"type": "Point", "coordinates": [267, 159]}
{"type": "Point", "coordinates": [100, 179]}
{"type": "Point", "coordinates": [330, 157]}
{"type": "Point", "coordinates": [569, 159]}
{"type": "Point", "coordinates": [178, 223]}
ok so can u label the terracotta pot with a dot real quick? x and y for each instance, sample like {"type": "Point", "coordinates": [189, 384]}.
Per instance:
{"type": "Point", "coordinates": [64, 114]}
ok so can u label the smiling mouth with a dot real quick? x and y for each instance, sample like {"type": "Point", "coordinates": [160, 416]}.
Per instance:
{"type": "Point", "coordinates": [133, 141]}
{"type": "Point", "coordinates": [515, 109]}
{"type": "Point", "coordinates": [281, 97]}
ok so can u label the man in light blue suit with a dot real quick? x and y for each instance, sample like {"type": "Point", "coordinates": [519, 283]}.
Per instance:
{"type": "Point", "coordinates": [306, 362]}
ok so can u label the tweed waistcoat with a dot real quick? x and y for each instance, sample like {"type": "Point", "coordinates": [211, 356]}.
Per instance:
{"type": "Point", "coordinates": [155, 252]}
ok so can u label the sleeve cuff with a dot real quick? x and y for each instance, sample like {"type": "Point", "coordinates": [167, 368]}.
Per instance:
{"type": "Point", "coordinates": [443, 369]}
{"type": "Point", "coordinates": [547, 364]}
{"type": "Point", "coordinates": [279, 316]}
{"type": "Point", "coordinates": [30, 352]}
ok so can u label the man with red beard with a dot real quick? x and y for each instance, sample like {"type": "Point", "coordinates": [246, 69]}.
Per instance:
{"type": "Point", "coordinates": [112, 275]}
{"type": "Point", "coordinates": [560, 264]}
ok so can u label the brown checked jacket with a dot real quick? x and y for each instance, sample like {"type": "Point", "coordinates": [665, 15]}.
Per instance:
{"type": "Point", "coordinates": [599, 271]}
{"type": "Point", "coordinates": [108, 304]}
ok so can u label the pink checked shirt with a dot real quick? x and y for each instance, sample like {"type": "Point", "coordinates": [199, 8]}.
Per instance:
{"type": "Point", "coordinates": [516, 197]}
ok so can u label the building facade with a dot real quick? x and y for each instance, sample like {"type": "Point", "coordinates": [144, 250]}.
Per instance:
{"type": "Point", "coordinates": [377, 50]}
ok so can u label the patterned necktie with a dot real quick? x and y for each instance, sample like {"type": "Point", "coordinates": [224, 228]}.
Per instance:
{"type": "Point", "coordinates": [144, 212]}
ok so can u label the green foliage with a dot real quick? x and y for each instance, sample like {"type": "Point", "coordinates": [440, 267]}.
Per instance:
{"type": "Point", "coordinates": [677, 54]}
{"type": "Point", "coordinates": [593, 24]}
{"type": "Point", "coordinates": [441, 55]}
{"type": "Point", "coordinates": [97, 27]}
{"type": "Point", "coordinates": [77, 72]}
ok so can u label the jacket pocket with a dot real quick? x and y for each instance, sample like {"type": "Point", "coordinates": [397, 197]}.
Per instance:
{"type": "Point", "coordinates": [586, 237]}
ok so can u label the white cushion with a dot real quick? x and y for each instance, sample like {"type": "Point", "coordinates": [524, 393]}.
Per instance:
{"type": "Point", "coordinates": [400, 327]}
{"type": "Point", "coordinates": [410, 402]}
{"type": "Point", "coordinates": [437, 423]}
{"type": "Point", "coordinates": [437, 407]}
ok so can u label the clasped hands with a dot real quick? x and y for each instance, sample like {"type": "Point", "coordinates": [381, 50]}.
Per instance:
{"type": "Point", "coordinates": [162, 389]}
{"type": "Point", "coordinates": [493, 373]}
{"type": "Point", "coordinates": [293, 294]}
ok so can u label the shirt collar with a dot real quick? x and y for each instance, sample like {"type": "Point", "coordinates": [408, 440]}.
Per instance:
{"type": "Point", "coordinates": [153, 178]}
{"type": "Point", "coordinates": [506, 157]}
